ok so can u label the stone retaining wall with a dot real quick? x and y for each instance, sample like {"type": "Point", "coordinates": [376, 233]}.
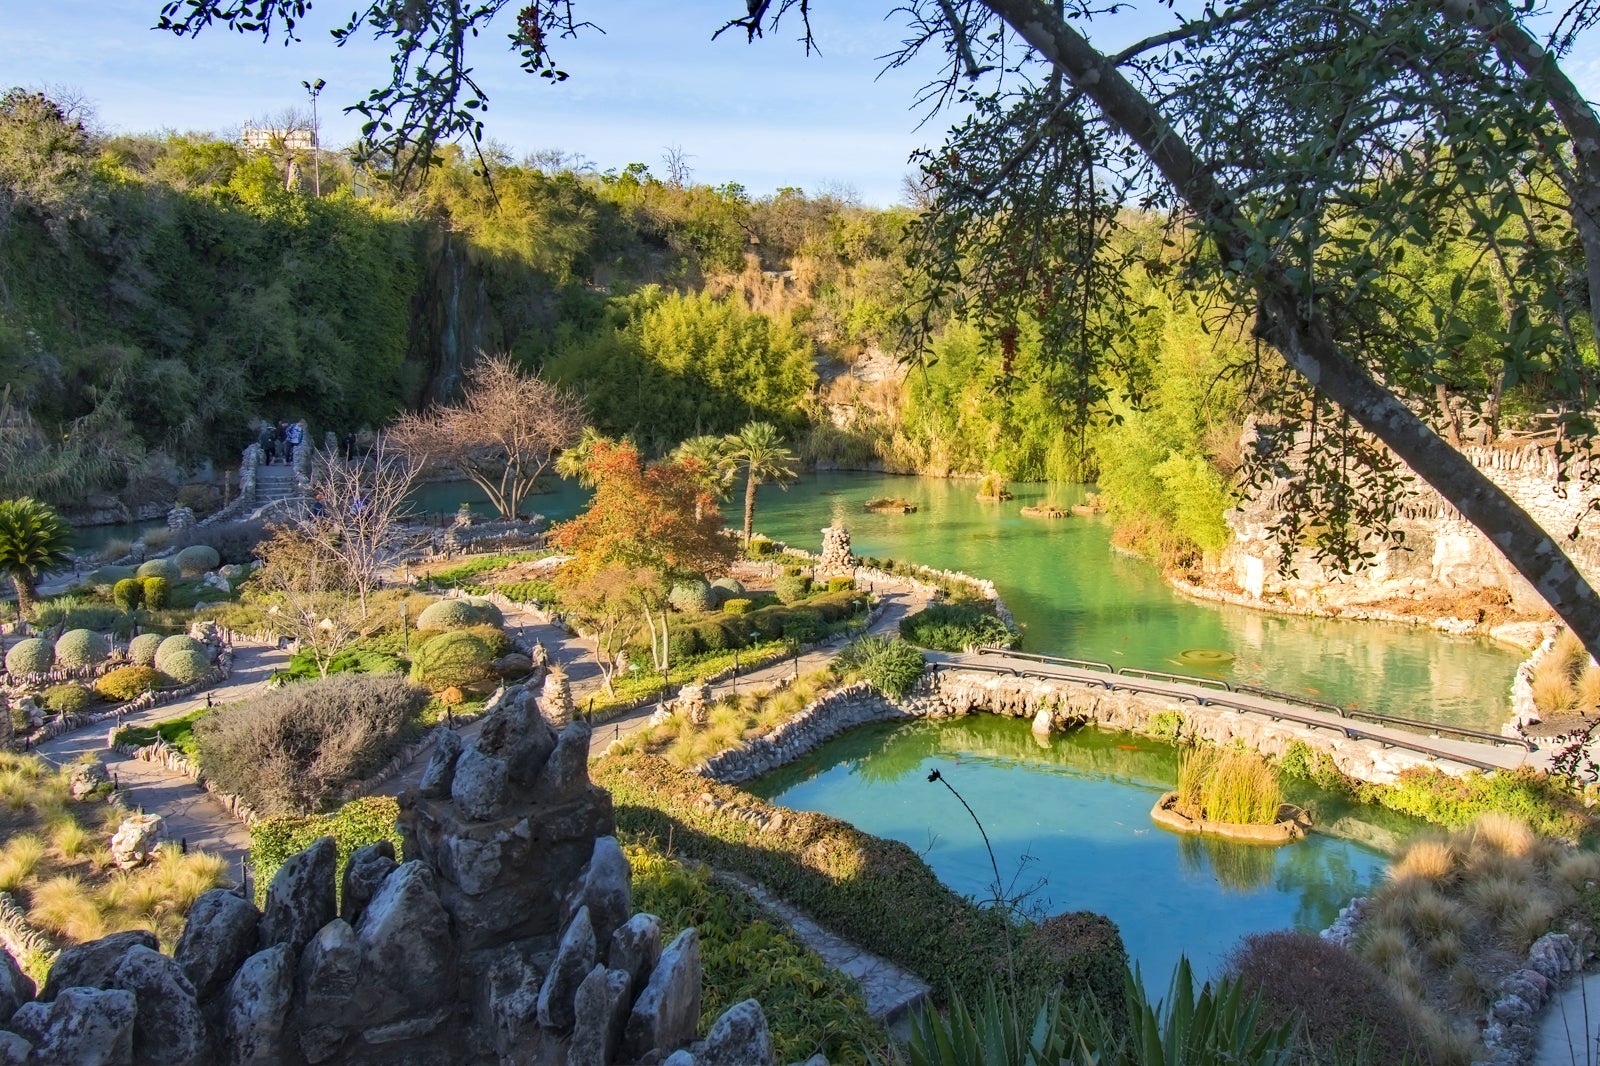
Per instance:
{"type": "Point", "coordinates": [948, 693]}
{"type": "Point", "coordinates": [17, 936]}
{"type": "Point", "coordinates": [67, 723]}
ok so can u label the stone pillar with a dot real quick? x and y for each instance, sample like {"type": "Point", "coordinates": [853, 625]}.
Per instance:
{"type": "Point", "coordinates": [555, 701]}
{"type": "Point", "coordinates": [836, 555]}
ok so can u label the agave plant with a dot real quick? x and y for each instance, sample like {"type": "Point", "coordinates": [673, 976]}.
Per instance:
{"type": "Point", "coordinates": [1217, 1026]}
{"type": "Point", "coordinates": [33, 539]}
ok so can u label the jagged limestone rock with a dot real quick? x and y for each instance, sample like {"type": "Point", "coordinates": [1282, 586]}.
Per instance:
{"type": "Point", "coordinates": [556, 698]}
{"type": "Point", "coordinates": [565, 774]}
{"type": "Point", "coordinates": [169, 1029]}
{"type": "Point", "coordinates": [91, 965]}
{"type": "Point", "coordinates": [257, 1007]}
{"type": "Point", "coordinates": [16, 987]}
{"type": "Point", "coordinates": [440, 771]}
{"type": "Point", "coordinates": [607, 889]}
{"type": "Point", "coordinates": [635, 950]}
{"type": "Point", "coordinates": [14, 1050]}
{"type": "Point", "coordinates": [574, 959]}
{"type": "Point", "coordinates": [668, 1010]}
{"type": "Point", "coordinates": [600, 1011]}
{"type": "Point", "coordinates": [739, 1038]}
{"type": "Point", "coordinates": [408, 954]}
{"type": "Point", "coordinates": [301, 898]}
{"type": "Point", "coordinates": [364, 875]}
{"type": "Point", "coordinates": [82, 1026]}
{"type": "Point", "coordinates": [330, 973]}
{"type": "Point", "coordinates": [219, 935]}
{"type": "Point", "coordinates": [136, 840]}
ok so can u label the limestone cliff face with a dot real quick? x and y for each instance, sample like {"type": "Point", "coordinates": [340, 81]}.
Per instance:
{"type": "Point", "coordinates": [1442, 551]}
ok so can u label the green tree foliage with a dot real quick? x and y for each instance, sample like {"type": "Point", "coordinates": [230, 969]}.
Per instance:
{"type": "Point", "coordinates": [669, 367]}
{"type": "Point", "coordinates": [33, 540]}
{"type": "Point", "coordinates": [761, 452]}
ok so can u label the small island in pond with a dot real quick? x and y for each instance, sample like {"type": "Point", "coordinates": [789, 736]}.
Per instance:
{"type": "Point", "coordinates": [889, 505]}
{"type": "Point", "coordinates": [1044, 509]}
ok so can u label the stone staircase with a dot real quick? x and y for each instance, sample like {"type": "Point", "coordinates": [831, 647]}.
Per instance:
{"type": "Point", "coordinates": [274, 485]}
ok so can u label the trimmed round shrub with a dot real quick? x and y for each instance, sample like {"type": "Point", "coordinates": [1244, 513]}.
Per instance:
{"type": "Point", "coordinates": [767, 624]}
{"type": "Point", "coordinates": [738, 606]}
{"type": "Point", "coordinates": [157, 590]}
{"type": "Point", "coordinates": [760, 546]}
{"type": "Point", "coordinates": [841, 584]}
{"type": "Point", "coordinates": [128, 594]}
{"type": "Point", "coordinates": [128, 682]}
{"type": "Point", "coordinates": [683, 642]}
{"type": "Point", "coordinates": [449, 614]}
{"type": "Point", "coordinates": [488, 612]}
{"type": "Point", "coordinates": [186, 666]}
{"type": "Point", "coordinates": [804, 627]}
{"type": "Point", "coordinates": [712, 636]}
{"type": "Point", "coordinates": [172, 646]}
{"type": "Point", "coordinates": [692, 596]}
{"type": "Point", "coordinates": [451, 660]}
{"type": "Point", "coordinates": [32, 656]}
{"type": "Point", "coordinates": [142, 648]}
{"type": "Point", "coordinates": [792, 588]}
{"type": "Point", "coordinates": [67, 699]}
{"type": "Point", "coordinates": [78, 648]}
{"type": "Point", "coordinates": [159, 568]}
{"type": "Point", "coordinates": [728, 585]}
{"type": "Point", "coordinates": [497, 640]}
{"type": "Point", "coordinates": [109, 575]}
{"type": "Point", "coordinates": [197, 559]}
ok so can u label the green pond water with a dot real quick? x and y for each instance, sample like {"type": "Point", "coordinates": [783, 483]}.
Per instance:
{"type": "Point", "coordinates": [1070, 826]}
{"type": "Point", "coordinates": [1075, 596]}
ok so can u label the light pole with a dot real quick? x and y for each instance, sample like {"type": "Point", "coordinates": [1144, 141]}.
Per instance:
{"type": "Point", "coordinates": [314, 88]}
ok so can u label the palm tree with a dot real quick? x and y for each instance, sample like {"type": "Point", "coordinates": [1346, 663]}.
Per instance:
{"type": "Point", "coordinates": [761, 451]}
{"type": "Point", "coordinates": [574, 461]}
{"type": "Point", "coordinates": [710, 454]}
{"type": "Point", "coordinates": [33, 539]}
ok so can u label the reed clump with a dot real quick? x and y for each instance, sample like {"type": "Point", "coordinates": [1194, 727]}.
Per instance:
{"type": "Point", "coordinates": [1566, 680]}
{"type": "Point", "coordinates": [1224, 785]}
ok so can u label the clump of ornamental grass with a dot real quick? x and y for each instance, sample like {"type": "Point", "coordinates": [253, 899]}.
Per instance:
{"type": "Point", "coordinates": [18, 859]}
{"type": "Point", "coordinates": [1458, 912]}
{"type": "Point", "coordinates": [1225, 785]}
{"type": "Point", "coordinates": [1565, 679]}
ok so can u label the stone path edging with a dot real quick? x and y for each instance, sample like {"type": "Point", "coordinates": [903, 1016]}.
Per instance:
{"type": "Point", "coordinates": [820, 720]}
{"type": "Point", "coordinates": [17, 934]}
{"type": "Point", "coordinates": [891, 991]}
{"type": "Point", "coordinates": [169, 758]}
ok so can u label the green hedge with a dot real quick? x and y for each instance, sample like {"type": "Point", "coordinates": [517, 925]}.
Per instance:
{"type": "Point", "coordinates": [357, 823]}
{"type": "Point", "coordinates": [877, 893]}
{"type": "Point", "coordinates": [956, 627]}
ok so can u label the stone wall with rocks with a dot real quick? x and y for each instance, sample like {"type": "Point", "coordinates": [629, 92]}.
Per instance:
{"type": "Point", "coordinates": [1052, 704]}
{"type": "Point", "coordinates": [507, 936]}
{"type": "Point", "coordinates": [1443, 551]}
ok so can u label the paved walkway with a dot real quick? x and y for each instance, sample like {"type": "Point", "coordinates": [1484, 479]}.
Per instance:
{"type": "Point", "coordinates": [1569, 1026]}
{"type": "Point", "coordinates": [191, 813]}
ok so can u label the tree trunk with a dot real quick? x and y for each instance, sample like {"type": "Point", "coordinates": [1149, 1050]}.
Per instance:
{"type": "Point", "coordinates": [1305, 340]}
{"type": "Point", "coordinates": [25, 594]}
{"type": "Point", "coordinates": [749, 507]}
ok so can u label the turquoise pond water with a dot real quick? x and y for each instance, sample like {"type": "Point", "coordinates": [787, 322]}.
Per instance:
{"type": "Point", "coordinates": [1075, 596]}
{"type": "Point", "coordinates": [1071, 822]}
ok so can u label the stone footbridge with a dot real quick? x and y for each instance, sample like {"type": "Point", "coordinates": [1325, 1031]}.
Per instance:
{"type": "Point", "coordinates": [1406, 742]}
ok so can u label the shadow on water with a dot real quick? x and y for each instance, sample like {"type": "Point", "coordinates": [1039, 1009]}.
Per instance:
{"type": "Point", "coordinates": [1072, 818]}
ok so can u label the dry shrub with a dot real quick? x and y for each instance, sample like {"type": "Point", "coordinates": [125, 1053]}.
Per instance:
{"type": "Point", "coordinates": [1430, 859]}
{"type": "Point", "coordinates": [1385, 946]}
{"type": "Point", "coordinates": [1578, 869]}
{"type": "Point", "coordinates": [1343, 1006]}
{"type": "Point", "coordinates": [1562, 676]}
{"type": "Point", "coordinates": [292, 750]}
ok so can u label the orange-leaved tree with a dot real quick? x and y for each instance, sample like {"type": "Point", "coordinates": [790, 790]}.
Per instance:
{"type": "Point", "coordinates": [655, 517]}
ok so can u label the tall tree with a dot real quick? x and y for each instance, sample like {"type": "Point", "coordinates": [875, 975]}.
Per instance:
{"type": "Point", "coordinates": [506, 431]}
{"type": "Point", "coordinates": [652, 517]}
{"type": "Point", "coordinates": [356, 511]}
{"type": "Point", "coordinates": [707, 455]}
{"type": "Point", "coordinates": [760, 450]}
{"type": "Point", "coordinates": [33, 540]}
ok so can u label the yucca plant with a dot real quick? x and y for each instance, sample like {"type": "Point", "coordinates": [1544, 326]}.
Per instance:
{"type": "Point", "coordinates": [33, 539]}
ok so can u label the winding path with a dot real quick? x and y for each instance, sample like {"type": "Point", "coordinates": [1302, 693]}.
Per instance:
{"type": "Point", "coordinates": [192, 815]}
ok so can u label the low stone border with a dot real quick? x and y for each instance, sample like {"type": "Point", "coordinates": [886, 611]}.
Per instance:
{"type": "Point", "coordinates": [68, 723]}
{"type": "Point", "coordinates": [1165, 814]}
{"type": "Point", "coordinates": [820, 720]}
{"type": "Point", "coordinates": [175, 761]}
{"type": "Point", "coordinates": [18, 936]}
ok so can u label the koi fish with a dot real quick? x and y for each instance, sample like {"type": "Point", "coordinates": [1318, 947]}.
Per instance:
{"type": "Point", "coordinates": [1130, 747]}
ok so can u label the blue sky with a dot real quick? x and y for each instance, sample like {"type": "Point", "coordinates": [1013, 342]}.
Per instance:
{"type": "Point", "coordinates": [762, 115]}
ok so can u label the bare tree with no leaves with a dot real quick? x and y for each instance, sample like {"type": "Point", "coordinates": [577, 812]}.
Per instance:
{"type": "Point", "coordinates": [505, 432]}
{"type": "Point", "coordinates": [357, 510]}
{"type": "Point", "coordinates": [309, 591]}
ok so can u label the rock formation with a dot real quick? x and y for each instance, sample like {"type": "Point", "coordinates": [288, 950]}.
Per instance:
{"type": "Point", "coordinates": [506, 936]}
{"type": "Point", "coordinates": [836, 557]}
